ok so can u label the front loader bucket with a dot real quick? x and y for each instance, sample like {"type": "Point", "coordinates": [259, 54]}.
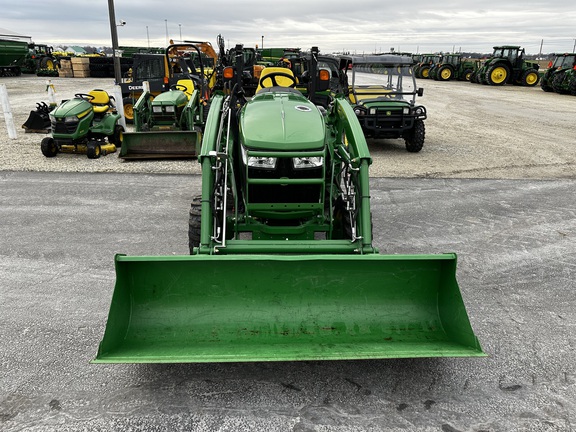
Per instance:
{"type": "Point", "coordinates": [160, 145]}
{"type": "Point", "coordinates": [237, 308]}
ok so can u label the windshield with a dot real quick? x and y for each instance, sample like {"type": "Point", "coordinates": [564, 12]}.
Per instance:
{"type": "Point", "coordinates": [565, 61]}
{"type": "Point", "coordinates": [385, 79]}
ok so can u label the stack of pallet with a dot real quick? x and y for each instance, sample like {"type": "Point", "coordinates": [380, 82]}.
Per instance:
{"type": "Point", "coordinates": [65, 69]}
{"type": "Point", "coordinates": [81, 67]}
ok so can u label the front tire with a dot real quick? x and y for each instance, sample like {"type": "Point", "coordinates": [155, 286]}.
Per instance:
{"type": "Point", "coordinates": [49, 147]}
{"type": "Point", "coordinates": [128, 105]}
{"type": "Point", "coordinates": [195, 223]}
{"type": "Point", "coordinates": [530, 78]}
{"type": "Point", "coordinates": [415, 139]}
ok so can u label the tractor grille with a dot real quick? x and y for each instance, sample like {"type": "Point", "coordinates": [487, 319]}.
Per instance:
{"type": "Point", "coordinates": [278, 193]}
{"type": "Point", "coordinates": [62, 127]}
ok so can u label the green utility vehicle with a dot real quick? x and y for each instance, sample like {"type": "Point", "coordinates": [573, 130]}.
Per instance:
{"type": "Point", "coordinates": [508, 66]}
{"type": "Point", "coordinates": [283, 267]}
{"type": "Point", "coordinates": [452, 67]}
{"type": "Point", "coordinates": [385, 99]}
{"type": "Point", "coordinates": [560, 75]}
{"type": "Point", "coordinates": [87, 124]}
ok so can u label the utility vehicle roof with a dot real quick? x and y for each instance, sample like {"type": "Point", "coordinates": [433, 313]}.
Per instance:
{"type": "Point", "coordinates": [391, 59]}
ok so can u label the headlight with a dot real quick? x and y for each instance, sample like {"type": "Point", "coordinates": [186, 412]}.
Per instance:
{"type": "Point", "coordinates": [308, 162]}
{"type": "Point", "coordinates": [169, 108]}
{"type": "Point", "coordinates": [52, 118]}
{"type": "Point", "coordinates": [405, 110]}
{"type": "Point", "coordinates": [359, 111]}
{"type": "Point", "coordinates": [419, 111]}
{"type": "Point", "coordinates": [70, 119]}
{"type": "Point", "coordinates": [157, 109]}
{"type": "Point", "coordinates": [372, 111]}
{"type": "Point", "coordinates": [258, 161]}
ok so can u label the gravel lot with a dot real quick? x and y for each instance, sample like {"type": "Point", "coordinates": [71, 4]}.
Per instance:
{"type": "Point", "coordinates": [472, 131]}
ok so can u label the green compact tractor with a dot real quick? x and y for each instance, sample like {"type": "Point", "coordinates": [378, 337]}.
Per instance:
{"type": "Point", "coordinates": [507, 66]}
{"type": "Point", "coordinates": [282, 264]}
{"type": "Point", "coordinates": [386, 106]}
{"type": "Point", "coordinates": [453, 67]}
{"type": "Point", "coordinates": [170, 124]}
{"type": "Point", "coordinates": [87, 124]}
{"type": "Point", "coordinates": [560, 75]}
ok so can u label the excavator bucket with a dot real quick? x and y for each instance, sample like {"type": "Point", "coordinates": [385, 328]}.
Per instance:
{"type": "Point", "coordinates": [239, 308]}
{"type": "Point", "coordinates": [160, 145]}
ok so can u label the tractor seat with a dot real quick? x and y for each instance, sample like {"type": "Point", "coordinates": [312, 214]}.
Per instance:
{"type": "Point", "coordinates": [188, 84]}
{"type": "Point", "coordinates": [281, 81]}
{"type": "Point", "coordinates": [359, 94]}
{"type": "Point", "coordinates": [100, 101]}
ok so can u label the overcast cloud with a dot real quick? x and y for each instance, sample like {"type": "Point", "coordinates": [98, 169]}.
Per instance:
{"type": "Point", "coordinates": [357, 26]}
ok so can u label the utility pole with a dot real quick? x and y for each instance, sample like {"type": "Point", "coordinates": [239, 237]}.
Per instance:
{"type": "Point", "coordinates": [114, 32]}
{"type": "Point", "coordinates": [540, 54]}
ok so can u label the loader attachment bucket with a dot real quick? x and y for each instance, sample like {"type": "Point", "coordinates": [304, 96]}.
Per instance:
{"type": "Point", "coordinates": [37, 122]}
{"type": "Point", "coordinates": [160, 145]}
{"type": "Point", "coordinates": [237, 308]}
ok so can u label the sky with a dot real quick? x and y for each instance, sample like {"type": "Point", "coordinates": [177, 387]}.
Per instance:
{"type": "Point", "coordinates": [361, 26]}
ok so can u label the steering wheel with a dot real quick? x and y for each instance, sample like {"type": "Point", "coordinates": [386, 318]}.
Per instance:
{"type": "Point", "coordinates": [85, 96]}
{"type": "Point", "coordinates": [180, 87]}
{"type": "Point", "coordinates": [272, 76]}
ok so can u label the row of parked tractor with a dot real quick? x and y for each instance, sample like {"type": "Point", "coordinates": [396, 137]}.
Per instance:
{"type": "Point", "coordinates": [506, 65]}
{"type": "Point", "coordinates": [168, 98]}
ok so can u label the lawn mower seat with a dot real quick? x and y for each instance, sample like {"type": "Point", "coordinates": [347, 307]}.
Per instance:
{"type": "Point", "coordinates": [188, 84]}
{"type": "Point", "coordinates": [100, 101]}
{"type": "Point", "coordinates": [281, 81]}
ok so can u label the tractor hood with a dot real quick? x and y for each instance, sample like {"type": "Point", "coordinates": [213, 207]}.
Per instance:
{"type": "Point", "coordinates": [282, 121]}
{"type": "Point", "coordinates": [173, 97]}
{"type": "Point", "coordinates": [73, 107]}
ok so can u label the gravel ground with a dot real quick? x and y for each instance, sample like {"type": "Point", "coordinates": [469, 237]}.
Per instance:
{"type": "Point", "coordinates": [472, 131]}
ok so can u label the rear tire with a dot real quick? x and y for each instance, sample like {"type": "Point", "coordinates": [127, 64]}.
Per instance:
{"type": "Point", "coordinates": [497, 75]}
{"type": "Point", "coordinates": [445, 73]}
{"type": "Point", "coordinates": [415, 139]}
{"type": "Point", "coordinates": [118, 136]}
{"type": "Point", "coordinates": [194, 223]}
{"type": "Point", "coordinates": [93, 150]}
{"type": "Point", "coordinates": [49, 147]}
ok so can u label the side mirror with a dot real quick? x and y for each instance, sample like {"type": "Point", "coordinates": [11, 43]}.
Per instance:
{"type": "Point", "coordinates": [420, 91]}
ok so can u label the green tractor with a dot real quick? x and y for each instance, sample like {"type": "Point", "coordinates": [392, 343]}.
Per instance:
{"type": "Point", "coordinates": [41, 61]}
{"type": "Point", "coordinates": [386, 105]}
{"type": "Point", "coordinates": [508, 66]}
{"type": "Point", "coordinates": [282, 264]}
{"type": "Point", "coordinates": [170, 124]}
{"type": "Point", "coordinates": [452, 67]}
{"type": "Point", "coordinates": [422, 69]}
{"type": "Point", "coordinates": [560, 75]}
{"type": "Point", "coordinates": [87, 124]}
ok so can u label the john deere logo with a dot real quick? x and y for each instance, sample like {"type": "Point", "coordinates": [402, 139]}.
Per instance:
{"type": "Point", "coordinates": [388, 113]}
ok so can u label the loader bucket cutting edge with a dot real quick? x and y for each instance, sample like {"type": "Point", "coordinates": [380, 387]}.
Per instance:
{"type": "Point", "coordinates": [160, 145]}
{"type": "Point", "coordinates": [201, 308]}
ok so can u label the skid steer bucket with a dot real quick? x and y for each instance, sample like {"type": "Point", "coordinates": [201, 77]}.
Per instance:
{"type": "Point", "coordinates": [236, 308]}
{"type": "Point", "coordinates": [160, 145]}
